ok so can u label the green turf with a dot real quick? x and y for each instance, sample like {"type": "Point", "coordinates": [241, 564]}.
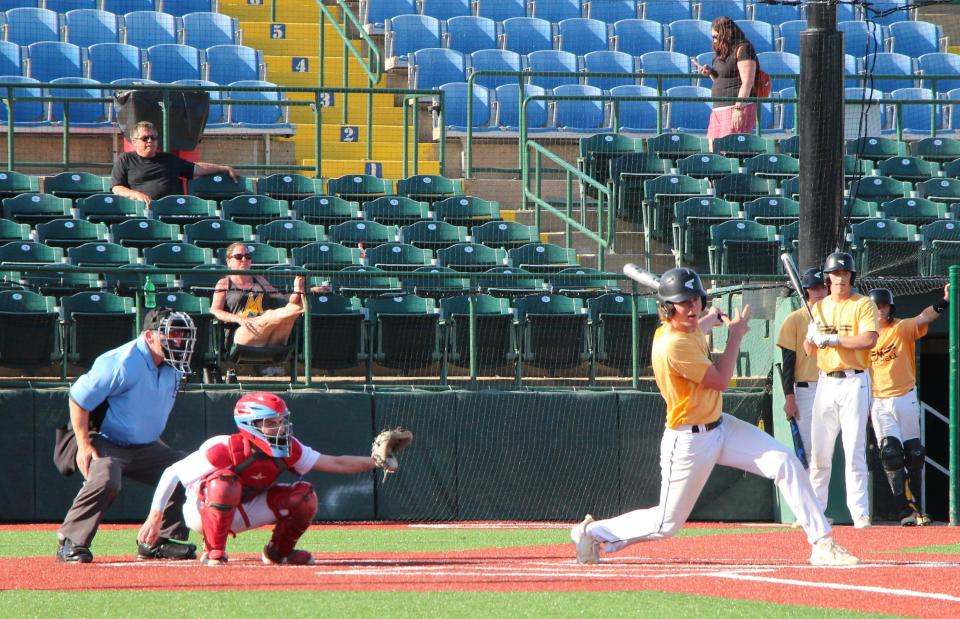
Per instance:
{"type": "Point", "coordinates": [113, 542]}
{"type": "Point", "coordinates": [940, 549]}
{"type": "Point", "coordinates": [220, 604]}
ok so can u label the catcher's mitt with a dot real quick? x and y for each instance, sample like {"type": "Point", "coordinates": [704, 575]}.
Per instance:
{"type": "Point", "coordinates": [387, 445]}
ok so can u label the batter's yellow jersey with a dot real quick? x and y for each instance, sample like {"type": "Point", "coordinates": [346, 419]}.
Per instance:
{"type": "Point", "coordinates": [792, 333]}
{"type": "Point", "coordinates": [680, 360]}
{"type": "Point", "coordinates": [893, 361]}
{"type": "Point", "coordinates": [854, 315]}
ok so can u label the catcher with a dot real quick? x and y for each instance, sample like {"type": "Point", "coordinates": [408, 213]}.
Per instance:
{"type": "Point", "coordinates": [231, 482]}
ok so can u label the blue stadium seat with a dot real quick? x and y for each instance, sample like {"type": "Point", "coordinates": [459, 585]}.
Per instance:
{"type": "Point", "coordinates": [611, 11]}
{"type": "Point", "coordinates": [780, 62]}
{"type": "Point", "coordinates": [25, 113]}
{"type": "Point", "coordinates": [24, 26]}
{"type": "Point", "coordinates": [53, 59]}
{"type": "Point", "coordinates": [169, 63]}
{"type": "Point", "coordinates": [941, 64]}
{"type": "Point", "coordinates": [11, 58]}
{"type": "Point", "coordinates": [433, 67]}
{"type": "Point", "coordinates": [690, 36]}
{"type": "Point", "coordinates": [406, 34]}
{"type": "Point", "coordinates": [527, 34]}
{"type": "Point", "coordinates": [93, 114]}
{"type": "Point", "coordinates": [861, 38]}
{"type": "Point", "coordinates": [148, 28]}
{"type": "Point", "coordinates": [870, 97]}
{"type": "Point", "coordinates": [108, 62]}
{"type": "Point", "coordinates": [609, 62]}
{"type": "Point", "coordinates": [579, 116]}
{"type": "Point", "coordinates": [86, 27]}
{"type": "Point", "coordinates": [179, 8]}
{"type": "Point", "coordinates": [667, 11]}
{"type": "Point", "coordinates": [126, 6]}
{"type": "Point", "coordinates": [689, 116]}
{"type": "Point", "coordinates": [259, 117]}
{"type": "Point", "coordinates": [775, 13]}
{"type": "Point", "coordinates": [508, 111]}
{"type": "Point", "coordinates": [375, 13]}
{"type": "Point", "coordinates": [915, 118]}
{"type": "Point", "coordinates": [665, 62]}
{"type": "Point", "coordinates": [217, 111]}
{"type": "Point", "coordinates": [581, 36]}
{"type": "Point", "coordinates": [888, 63]}
{"type": "Point", "coordinates": [916, 38]}
{"type": "Point", "coordinates": [555, 10]}
{"type": "Point", "coordinates": [852, 66]}
{"type": "Point", "coordinates": [954, 95]}
{"type": "Point", "coordinates": [762, 35]}
{"type": "Point", "coordinates": [887, 12]}
{"type": "Point", "coordinates": [468, 34]}
{"type": "Point", "coordinates": [455, 106]}
{"type": "Point", "coordinates": [234, 63]}
{"type": "Point", "coordinates": [6, 5]}
{"type": "Point", "coordinates": [638, 36]}
{"type": "Point", "coordinates": [552, 60]}
{"type": "Point", "coordinates": [64, 6]}
{"type": "Point", "coordinates": [445, 9]}
{"type": "Point", "coordinates": [501, 10]}
{"type": "Point", "coordinates": [203, 30]}
{"type": "Point", "coordinates": [734, 9]}
{"type": "Point", "coordinates": [495, 60]}
{"type": "Point", "coordinates": [790, 35]}
{"type": "Point", "coordinates": [637, 116]}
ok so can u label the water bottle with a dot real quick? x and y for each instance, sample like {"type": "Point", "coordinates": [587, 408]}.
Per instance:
{"type": "Point", "coordinates": [149, 294]}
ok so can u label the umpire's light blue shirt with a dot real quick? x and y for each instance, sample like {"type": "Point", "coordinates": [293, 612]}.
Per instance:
{"type": "Point", "coordinates": [141, 393]}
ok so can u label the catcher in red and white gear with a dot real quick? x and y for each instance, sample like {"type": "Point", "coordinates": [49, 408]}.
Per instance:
{"type": "Point", "coordinates": [231, 484]}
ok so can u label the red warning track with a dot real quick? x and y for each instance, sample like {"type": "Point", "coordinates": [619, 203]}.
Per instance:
{"type": "Point", "coordinates": [771, 567]}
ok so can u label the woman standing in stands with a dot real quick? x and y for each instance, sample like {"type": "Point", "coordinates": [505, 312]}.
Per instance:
{"type": "Point", "coordinates": [733, 72]}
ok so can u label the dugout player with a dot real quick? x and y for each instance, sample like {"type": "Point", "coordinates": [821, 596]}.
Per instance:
{"type": "Point", "coordinates": [698, 435]}
{"type": "Point", "coordinates": [139, 382]}
{"type": "Point", "coordinates": [231, 484]}
{"type": "Point", "coordinates": [895, 411]}
{"type": "Point", "coordinates": [799, 369]}
{"type": "Point", "coordinates": [844, 330]}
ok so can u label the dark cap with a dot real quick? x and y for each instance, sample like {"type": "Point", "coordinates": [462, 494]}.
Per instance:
{"type": "Point", "coordinates": [153, 318]}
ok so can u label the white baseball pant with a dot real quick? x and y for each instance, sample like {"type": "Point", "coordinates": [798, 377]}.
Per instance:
{"type": "Point", "coordinates": [898, 417]}
{"type": "Point", "coordinates": [257, 511]}
{"type": "Point", "coordinates": [804, 397]}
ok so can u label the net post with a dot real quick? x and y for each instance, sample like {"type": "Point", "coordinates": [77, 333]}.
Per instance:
{"type": "Point", "coordinates": [954, 400]}
{"type": "Point", "coordinates": [472, 305]}
{"type": "Point", "coordinates": [634, 338]}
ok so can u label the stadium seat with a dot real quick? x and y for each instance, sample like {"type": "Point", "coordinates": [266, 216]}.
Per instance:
{"type": "Point", "coordinates": [86, 27]}
{"type": "Point", "coordinates": [289, 233]}
{"type": "Point", "coordinates": [666, 62]}
{"type": "Point", "coordinates": [676, 145]}
{"type": "Point", "coordinates": [14, 183]}
{"type": "Point", "coordinates": [508, 101]}
{"type": "Point", "coordinates": [891, 64]}
{"type": "Point", "coordinates": [433, 67]}
{"type": "Point", "coordinates": [916, 38]}
{"type": "Point", "coordinates": [775, 13]}
{"type": "Point", "coordinates": [667, 11]}
{"type": "Point", "coordinates": [101, 253]}
{"type": "Point", "coordinates": [505, 234]}
{"type": "Point", "coordinates": [914, 211]}
{"type": "Point", "coordinates": [179, 8]}
{"type": "Point", "coordinates": [761, 34]}
{"type": "Point", "coordinates": [428, 188]}
{"type": "Point", "coordinates": [596, 152]}
{"type": "Point", "coordinates": [216, 233]}
{"type": "Point", "coordinates": [468, 34]}
{"type": "Point", "coordinates": [234, 63]}
{"type": "Point", "coordinates": [263, 255]}
{"type": "Point", "coordinates": [325, 210]}
{"type": "Point", "coordinates": [204, 30]}
{"type": "Point", "coordinates": [744, 247]}
{"type": "Point", "coordinates": [140, 233]}
{"type": "Point", "coordinates": [635, 116]}
{"type": "Point", "coordinates": [501, 10]}
{"type": "Point", "coordinates": [359, 187]}
{"type": "Point", "coordinates": [11, 59]}
{"type": "Point", "coordinates": [254, 209]}
{"type": "Point", "coordinates": [374, 13]}
{"type": "Point", "coordinates": [336, 332]}
{"type": "Point", "coordinates": [466, 257]}
{"type": "Point", "coordinates": [398, 257]}
{"type": "Point", "coordinates": [790, 35]}
{"type": "Point", "coordinates": [875, 148]}
{"type": "Point", "coordinates": [945, 190]}
{"type": "Point", "coordinates": [878, 189]}
{"type": "Point", "coordinates": [172, 62]}
{"type": "Point", "coordinates": [218, 187]}
{"type": "Point", "coordinates": [93, 114]}
{"type": "Point", "coordinates": [861, 39]}
{"type": "Point", "coordinates": [404, 332]}
{"type": "Point", "coordinates": [70, 232]}
{"type": "Point", "coordinates": [690, 36]}
{"type": "Point", "coordinates": [271, 118]}
{"type": "Point", "coordinates": [553, 60]}
{"type": "Point", "coordinates": [885, 247]}
{"type": "Point", "coordinates": [324, 255]}
{"type": "Point", "coordinates": [368, 233]}
{"type": "Point", "coordinates": [29, 335]}
{"type": "Point", "coordinates": [609, 62]}
{"type": "Point", "coordinates": [627, 176]}
{"type": "Point", "coordinates": [579, 116]}
{"type": "Point", "coordinates": [507, 282]}
{"type": "Point", "coordinates": [182, 210]}
{"type": "Point", "coordinates": [175, 255]}
{"type": "Point", "coordinates": [692, 219]}
{"type": "Point", "coordinates": [445, 9]}
{"type": "Point", "coordinates": [914, 118]}
{"type": "Point", "coordinates": [744, 187]}
{"type": "Point", "coordinates": [495, 60]}
{"type": "Point", "coordinates": [12, 231]}
{"type": "Point", "coordinates": [638, 36]}
{"type": "Point", "coordinates": [147, 28]}
{"type": "Point", "coordinates": [710, 166]}
{"type": "Point", "coordinates": [63, 6]}
{"type": "Point", "coordinates": [29, 253]}
{"type": "Point", "coordinates": [911, 169]}
{"type": "Point", "coordinates": [108, 208]}
{"type": "Point", "coordinates": [780, 63]}
{"type": "Point", "coordinates": [26, 25]}
{"type": "Point", "coordinates": [734, 9]}
{"type": "Point", "coordinates": [75, 184]}
{"type": "Point", "coordinates": [940, 247]}
{"type": "Point", "coordinates": [542, 257]}
{"type": "Point", "coordinates": [888, 12]}
{"type": "Point", "coordinates": [940, 64]}
{"type": "Point", "coordinates": [52, 59]}
{"type": "Point", "coordinates": [396, 210]}
{"type": "Point", "coordinates": [951, 169]}
{"type": "Point", "coordinates": [742, 145]}
{"type": "Point", "coordinates": [688, 116]}
{"type": "Point", "coordinates": [524, 35]}
{"type": "Point", "coordinates": [495, 338]}
{"type": "Point", "coordinates": [34, 208]}
{"type": "Point", "coordinates": [555, 10]}
{"type": "Point", "coordinates": [108, 62]}
{"type": "Point", "coordinates": [772, 166]}
{"type": "Point", "coordinates": [581, 36]}
{"type": "Point", "coordinates": [610, 11]}
{"type": "Point", "coordinates": [95, 323]}
{"type": "Point", "coordinates": [552, 331]}
{"type": "Point", "coordinates": [433, 235]}
{"type": "Point", "coordinates": [937, 149]}
{"type": "Point", "coordinates": [455, 107]}
{"type": "Point", "coordinates": [610, 324]}
{"type": "Point", "coordinates": [465, 211]}
{"type": "Point", "coordinates": [406, 34]}
{"type": "Point", "coordinates": [772, 210]}
{"type": "Point", "coordinates": [582, 282]}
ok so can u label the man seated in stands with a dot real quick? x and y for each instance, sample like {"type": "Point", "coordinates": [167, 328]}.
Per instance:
{"type": "Point", "coordinates": [148, 174]}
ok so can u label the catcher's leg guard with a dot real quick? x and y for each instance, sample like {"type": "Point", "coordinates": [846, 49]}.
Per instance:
{"type": "Point", "coordinates": [891, 454]}
{"type": "Point", "coordinates": [221, 492]}
{"type": "Point", "coordinates": [295, 506]}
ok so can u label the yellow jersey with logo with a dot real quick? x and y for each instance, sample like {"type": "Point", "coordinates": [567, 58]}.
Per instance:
{"type": "Point", "coordinates": [680, 361]}
{"type": "Point", "coordinates": [852, 316]}
{"type": "Point", "coordinates": [893, 361]}
{"type": "Point", "coordinates": [792, 333]}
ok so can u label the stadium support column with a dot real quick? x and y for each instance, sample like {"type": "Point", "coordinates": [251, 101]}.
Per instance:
{"type": "Point", "coordinates": [821, 134]}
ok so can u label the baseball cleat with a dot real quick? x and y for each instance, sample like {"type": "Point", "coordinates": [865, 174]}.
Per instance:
{"type": "Point", "coordinates": [828, 552]}
{"type": "Point", "coordinates": [167, 549]}
{"type": "Point", "coordinates": [914, 519]}
{"type": "Point", "coordinates": [213, 558]}
{"type": "Point", "coordinates": [68, 552]}
{"type": "Point", "coordinates": [296, 557]}
{"type": "Point", "coordinates": [862, 522]}
{"type": "Point", "coordinates": [588, 547]}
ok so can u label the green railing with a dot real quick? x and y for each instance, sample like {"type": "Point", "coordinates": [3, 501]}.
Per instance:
{"type": "Point", "coordinates": [954, 394]}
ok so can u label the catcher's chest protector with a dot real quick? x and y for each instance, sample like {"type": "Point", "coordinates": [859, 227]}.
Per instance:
{"type": "Point", "coordinates": [257, 471]}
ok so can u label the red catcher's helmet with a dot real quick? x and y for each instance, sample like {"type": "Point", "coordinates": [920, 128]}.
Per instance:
{"type": "Point", "coordinates": [251, 414]}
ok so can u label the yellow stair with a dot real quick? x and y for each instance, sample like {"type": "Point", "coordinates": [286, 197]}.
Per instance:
{"type": "Point", "coordinates": [304, 11]}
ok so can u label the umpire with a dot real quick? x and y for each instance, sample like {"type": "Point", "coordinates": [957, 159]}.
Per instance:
{"type": "Point", "coordinates": [138, 382]}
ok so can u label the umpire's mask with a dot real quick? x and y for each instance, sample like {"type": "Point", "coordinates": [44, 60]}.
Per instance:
{"type": "Point", "coordinates": [177, 333]}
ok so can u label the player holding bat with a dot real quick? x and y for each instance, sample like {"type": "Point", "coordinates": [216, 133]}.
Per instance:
{"type": "Point", "coordinates": [698, 435]}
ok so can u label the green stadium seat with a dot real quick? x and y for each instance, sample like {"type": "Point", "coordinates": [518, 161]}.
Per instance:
{"type": "Point", "coordinates": [364, 281]}
{"type": "Point", "coordinates": [263, 255]}
{"type": "Point", "coordinates": [435, 282]}
{"type": "Point", "coordinates": [199, 280]}
{"type": "Point", "coordinates": [471, 257]}
{"type": "Point", "coordinates": [708, 165]}
{"type": "Point", "coordinates": [677, 145]}
{"type": "Point", "coordinates": [176, 255]}
{"type": "Point", "coordinates": [29, 336]}
{"type": "Point", "coordinates": [182, 210]}
{"type": "Point", "coordinates": [790, 188]}
{"type": "Point", "coordinates": [660, 194]}
{"type": "Point", "coordinates": [552, 331]}
{"type": "Point", "coordinates": [542, 257]}
{"type": "Point", "coordinates": [885, 247]}
{"type": "Point", "coordinates": [337, 338]}
{"type": "Point", "coordinates": [466, 211]}
{"type": "Point", "coordinates": [370, 233]}
{"type": "Point", "coordinates": [951, 169]}
{"type": "Point", "coordinates": [791, 146]}
{"type": "Point", "coordinates": [912, 169]}
{"type": "Point", "coordinates": [946, 190]}
{"type": "Point", "coordinates": [289, 186]}
{"type": "Point", "coordinates": [611, 332]}
{"type": "Point", "coordinates": [142, 232]}
{"type": "Point", "coordinates": [75, 185]}
{"type": "Point", "coordinates": [790, 239]}
{"type": "Point", "coordinates": [744, 247]}
{"type": "Point", "coordinates": [70, 232]}
{"type": "Point", "coordinates": [399, 257]}
{"type": "Point", "coordinates": [29, 252]}
{"type": "Point", "coordinates": [744, 187]}
{"type": "Point", "coordinates": [626, 177]}
{"type": "Point", "coordinates": [14, 183]}
{"type": "Point", "coordinates": [596, 152]}
{"type": "Point", "coordinates": [405, 332]}
{"type": "Point", "coordinates": [876, 149]}
{"type": "Point", "coordinates": [360, 187]}
{"type": "Point", "coordinates": [772, 166]}
{"type": "Point", "coordinates": [940, 247]}
{"type": "Point", "coordinates": [772, 210]}
{"type": "Point", "coordinates": [936, 149]}
{"type": "Point", "coordinates": [218, 187]}
{"type": "Point", "coordinates": [216, 233]}
{"type": "Point", "coordinates": [325, 255]}
{"type": "Point", "coordinates": [583, 282]}
{"type": "Point", "coordinates": [396, 210]}
{"type": "Point", "coordinates": [254, 210]}
{"type": "Point", "coordinates": [12, 231]}
{"type": "Point", "coordinates": [505, 234]}
{"type": "Point", "coordinates": [742, 145]}
{"type": "Point", "coordinates": [95, 323]}
{"type": "Point", "coordinates": [915, 211]}
{"type": "Point", "coordinates": [325, 210]}
{"type": "Point", "coordinates": [290, 233]}
{"type": "Point", "coordinates": [433, 235]}
{"type": "Point", "coordinates": [692, 219]}
{"type": "Point", "coordinates": [108, 208]}
{"type": "Point", "coordinates": [101, 253]}
{"type": "Point", "coordinates": [35, 208]}
{"type": "Point", "coordinates": [879, 189]}
{"type": "Point", "coordinates": [857, 210]}
{"type": "Point", "coordinates": [428, 188]}
{"type": "Point", "coordinates": [854, 167]}
{"type": "Point", "coordinates": [495, 337]}
{"type": "Point", "coordinates": [130, 278]}
{"type": "Point", "coordinates": [510, 282]}
{"type": "Point", "coordinates": [57, 280]}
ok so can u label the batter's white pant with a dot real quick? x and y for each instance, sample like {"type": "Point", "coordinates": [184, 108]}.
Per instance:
{"type": "Point", "coordinates": [686, 461]}
{"type": "Point", "coordinates": [257, 512]}
{"type": "Point", "coordinates": [841, 407]}
{"type": "Point", "coordinates": [898, 417]}
{"type": "Point", "coordinates": [804, 397]}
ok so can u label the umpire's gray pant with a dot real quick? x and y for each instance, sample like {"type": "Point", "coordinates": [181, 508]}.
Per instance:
{"type": "Point", "coordinates": [143, 463]}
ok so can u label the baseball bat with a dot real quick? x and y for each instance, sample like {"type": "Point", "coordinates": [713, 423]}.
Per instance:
{"type": "Point", "coordinates": [798, 447]}
{"type": "Point", "coordinates": [642, 276]}
{"type": "Point", "coordinates": [794, 275]}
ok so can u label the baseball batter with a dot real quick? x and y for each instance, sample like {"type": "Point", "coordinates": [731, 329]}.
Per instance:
{"type": "Point", "coordinates": [800, 371]}
{"type": "Point", "coordinates": [843, 332]}
{"type": "Point", "coordinates": [895, 411]}
{"type": "Point", "coordinates": [699, 436]}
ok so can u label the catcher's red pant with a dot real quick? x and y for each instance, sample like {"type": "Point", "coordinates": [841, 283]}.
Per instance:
{"type": "Point", "coordinates": [219, 496]}
{"type": "Point", "coordinates": [295, 505]}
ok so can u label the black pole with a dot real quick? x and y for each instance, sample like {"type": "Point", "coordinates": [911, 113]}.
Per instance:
{"type": "Point", "coordinates": [821, 134]}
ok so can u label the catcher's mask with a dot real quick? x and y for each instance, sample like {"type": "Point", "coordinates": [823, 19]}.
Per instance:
{"type": "Point", "coordinates": [177, 334]}
{"type": "Point", "coordinates": [265, 420]}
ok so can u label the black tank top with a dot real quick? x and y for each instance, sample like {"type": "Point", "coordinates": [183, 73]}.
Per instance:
{"type": "Point", "coordinates": [250, 302]}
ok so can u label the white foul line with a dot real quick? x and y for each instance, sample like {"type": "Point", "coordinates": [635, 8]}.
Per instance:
{"type": "Point", "coordinates": [830, 585]}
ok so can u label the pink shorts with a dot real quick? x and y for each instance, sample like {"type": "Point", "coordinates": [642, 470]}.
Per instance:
{"type": "Point", "coordinates": [721, 121]}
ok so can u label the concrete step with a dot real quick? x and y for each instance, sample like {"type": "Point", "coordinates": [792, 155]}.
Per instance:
{"type": "Point", "coordinates": [509, 192]}
{"type": "Point", "coordinates": [627, 242]}
{"type": "Point", "coordinates": [552, 223]}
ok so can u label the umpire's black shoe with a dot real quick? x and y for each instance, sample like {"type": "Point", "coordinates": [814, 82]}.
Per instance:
{"type": "Point", "coordinates": [68, 552]}
{"type": "Point", "coordinates": [167, 549]}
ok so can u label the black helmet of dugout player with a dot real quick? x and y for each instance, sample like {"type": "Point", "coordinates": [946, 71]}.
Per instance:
{"type": "Point", "coordinates": [178, 335]}
{"type": "Point", "coordinates": [679, 285]}
{"type": "Point", "coordinates": [840, 261]}
{"type": "Point", "coordinates": [883, 296]}
{"type": "Point", "coordinates": [811, 278]}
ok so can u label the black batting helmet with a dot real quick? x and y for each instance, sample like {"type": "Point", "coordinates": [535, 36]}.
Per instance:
{"type": "Point", "coordinates": [811, 277]}
{"type": "Point", "coordinates": [679, 285]}
{"type": "Point", "coordinates": [883, 296]}
{"type": "Point", "coordinates": [840, 261]}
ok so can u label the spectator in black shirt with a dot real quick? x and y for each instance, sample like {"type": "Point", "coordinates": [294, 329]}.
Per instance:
{"type": "Point", "coordinates": [147, 174]}
{"type": "Point", "coordinates": [733, 72]}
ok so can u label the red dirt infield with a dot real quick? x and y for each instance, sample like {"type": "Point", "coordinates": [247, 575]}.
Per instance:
{"type": "Point", "coordinates": [770, 567]}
